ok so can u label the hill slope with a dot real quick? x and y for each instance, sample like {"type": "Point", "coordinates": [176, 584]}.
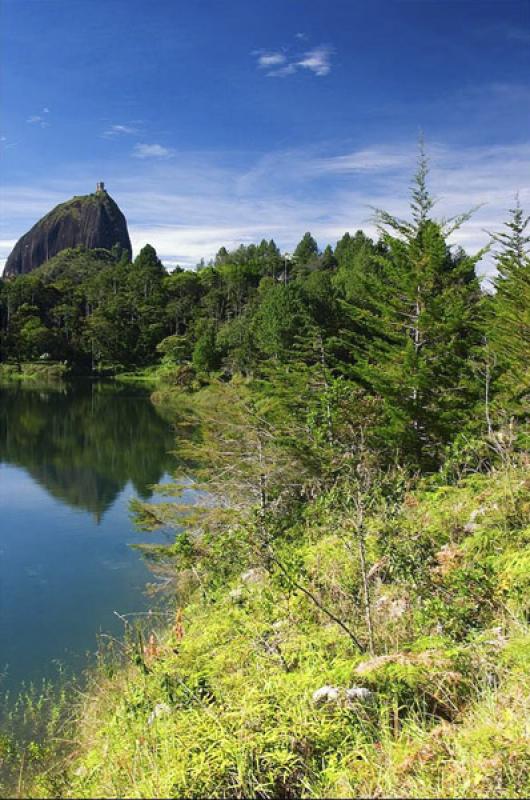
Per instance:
{"type": "Point", "coordinates": [249, 696]}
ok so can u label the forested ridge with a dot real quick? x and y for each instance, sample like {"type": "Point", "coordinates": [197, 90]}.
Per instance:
{"type": "Point", "coordinates": [347, 598]}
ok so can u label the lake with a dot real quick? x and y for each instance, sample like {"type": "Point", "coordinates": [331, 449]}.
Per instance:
{"type": "Point", "coordinates": [71, 458]}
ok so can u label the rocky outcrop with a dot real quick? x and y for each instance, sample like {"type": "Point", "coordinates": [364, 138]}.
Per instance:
{"type": "Point", "coordinates": [92, 220]}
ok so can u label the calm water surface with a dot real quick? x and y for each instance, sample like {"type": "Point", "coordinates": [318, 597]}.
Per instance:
{"type": "Point", "coordinates": [71, 458]}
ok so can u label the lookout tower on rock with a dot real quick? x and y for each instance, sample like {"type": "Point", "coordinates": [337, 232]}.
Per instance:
{"type": "Point", "coordinates": [100, 186]}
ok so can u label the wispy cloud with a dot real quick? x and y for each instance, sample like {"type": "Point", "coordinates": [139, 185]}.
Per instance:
{"type": "Point", "coordinates": [287, 193]}
{"type": "Point", "coordinates": [38, 120]}
{"type": "Point", "coordinates": [5, 144]}
{"type": "Point", "coordinates": [119, 130]}
{"type": "Point", "coordinates": [280, 63]}
{"type": "Point", "coordinates": [152, 151]}
{"type": "Point", "coordinates": [374, 159]}
{"type": "Point", "coordinates": [266, 60]}
{"type": "Point", "coordinates": [317, 60]}
{"type": "Point", "coordinates": [192, 204]}
{"type": "Point", "coordinates": [282, 72]}
{"type": "Point", "coordinates": [7, 244]}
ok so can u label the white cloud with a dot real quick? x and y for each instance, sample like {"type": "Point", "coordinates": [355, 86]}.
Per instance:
{"type": "Point", "coordinates": [152, 151]}
{"type": "Point", "coordinates": [282, 196]}
{"type": "Point", "coordinates": [368, 160]}
{"type": "Point", "coordinates": [186, 245]}
{"type": "Point", "coordinates": [36, 119]}
{"type": "Point", "coordinates": [21, 203]}
{"type": "Point", "coordinates": [317, 60]}
{"type": "Point", "coordinates": [7, 244]}
{"type": "Point", "coordinates": [192, 204]}
{"type": "Point", "coordinates": [119, 130]}
{"type": "Point", "coordinates": [282, 72]}
{"type": "Point", "coordinates": [266, 60]}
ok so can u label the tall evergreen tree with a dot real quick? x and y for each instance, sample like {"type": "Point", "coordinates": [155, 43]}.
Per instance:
{"type": "Point", "coordinates": [281, 319]}
{"type": "Point", "coordinates": [509, 320]}
{"type": "Point", "coordinates": [415, 337]}
{"type": "Point", "coordinates": [328, 260]}
{"type": "Point", "coordinates": [305, 255]}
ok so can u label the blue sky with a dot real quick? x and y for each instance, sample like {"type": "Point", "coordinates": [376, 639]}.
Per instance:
{"type": "Point", "coordinates": [222, 121]}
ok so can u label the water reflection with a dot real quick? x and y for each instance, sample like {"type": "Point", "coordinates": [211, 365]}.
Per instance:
{"type": "Point", "coordinates": [83, 442]}
{"type": "Point", "coordinates": [71, 459]}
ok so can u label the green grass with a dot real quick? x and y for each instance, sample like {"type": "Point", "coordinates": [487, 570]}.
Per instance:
{"type": "Point", "coordinates": [145, 375]}
{"type": "Point", "coordinates": [450, 712]}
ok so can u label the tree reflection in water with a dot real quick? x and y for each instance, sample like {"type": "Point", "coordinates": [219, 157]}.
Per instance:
{"type": "Point", "coordinates": [84, 441]}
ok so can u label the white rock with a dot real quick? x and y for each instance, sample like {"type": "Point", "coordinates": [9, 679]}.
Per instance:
{"type": "Point", "coordinates": [326, 694]}
{"type": "Point", "coordinates": [339, 696]}
{"type": "Point", "coordinates": [160, 710]}
{"type": "Point", "coordinates": [359, 694]}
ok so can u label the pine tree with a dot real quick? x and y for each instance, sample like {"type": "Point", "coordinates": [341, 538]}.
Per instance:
{"type": "Point", "coordinates": [281, 318]}
{"type": "Point", "coordinates": [414, 337]}
{"type": "Point", "coordinates": [305, 255]}
{"type": "Point", "coordinates": [328, 260]}
{"type": "Point", "coordinates": [509, 321]}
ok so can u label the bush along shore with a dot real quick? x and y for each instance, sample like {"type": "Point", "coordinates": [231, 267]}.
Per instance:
{"type": "Point", "coordinates": [35, 372]}
{"type": "Point", "coordinates": [346, 594]}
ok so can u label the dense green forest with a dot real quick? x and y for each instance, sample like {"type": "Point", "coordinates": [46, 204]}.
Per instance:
{"type": "Point", "coordinates": [403, 320]}
{"type": "Point", "coordinates": [348, 599]}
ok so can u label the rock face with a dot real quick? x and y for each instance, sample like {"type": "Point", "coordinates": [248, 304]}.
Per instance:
{"type": "Point", "coordinates": [93, 220]}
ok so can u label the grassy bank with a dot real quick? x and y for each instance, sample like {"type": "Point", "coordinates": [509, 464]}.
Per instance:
{"type": "Point", "coordinates": [221, 700]}
{"type": "Point", "coordinates": [151, 377]}
{"type": "Point", "coordinates": [148, 376]}
{"type": "Point", "coordinates": [36, 372]}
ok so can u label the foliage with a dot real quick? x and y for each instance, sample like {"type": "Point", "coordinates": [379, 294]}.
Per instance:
{"type": "Point", "coordinates": [509, 318]}
{"type": "Point", "coordinates": [354, 424]}
{"type": "Point", "coordinates": [402, 319]}
{"type": "Point", "coordinates": [220, 701]}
